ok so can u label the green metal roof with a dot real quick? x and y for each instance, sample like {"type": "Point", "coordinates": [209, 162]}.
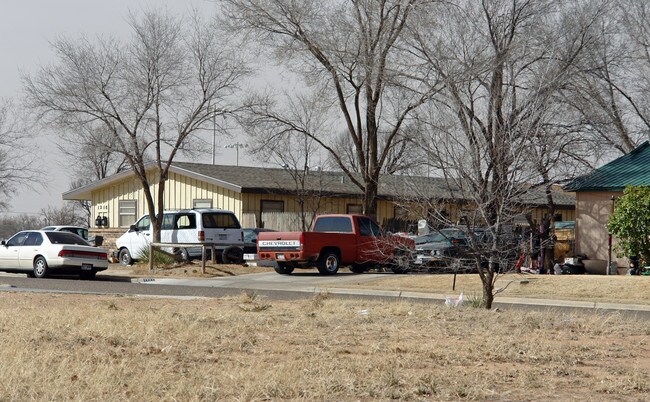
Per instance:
{"type": "Point", "coordinates": [632, 169]}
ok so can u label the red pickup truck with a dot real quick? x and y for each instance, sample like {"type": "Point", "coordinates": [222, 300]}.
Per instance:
{"type": "Point", "coordinates": [336, 240]}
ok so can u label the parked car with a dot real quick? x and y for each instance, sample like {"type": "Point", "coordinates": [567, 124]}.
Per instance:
{"type": "Point", "coordinates": [78, 230]}
{"type": "Point", "coordinates": [200, 226]}
{"type": "Point", "coordinates": [40, 253]}
{"type": "Point", "coordinates": [238, 253]}
{"type": "Point", "coordinates": [452, 248]}
{"type": "Point", "coordinates": [439, 247]}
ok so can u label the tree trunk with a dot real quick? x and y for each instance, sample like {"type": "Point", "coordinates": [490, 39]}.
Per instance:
{"type": "Point", "coordinates": [161, 208]}
{"type": "Point", "coordinates": [488, 288]}
{"type": "Point", "coordinates": [370, 199]}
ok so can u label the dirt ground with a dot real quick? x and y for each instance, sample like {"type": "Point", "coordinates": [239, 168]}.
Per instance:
{"type": "Point", "coordinates": [191, 270]}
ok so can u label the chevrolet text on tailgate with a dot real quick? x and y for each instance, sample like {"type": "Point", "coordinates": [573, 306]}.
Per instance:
{"type": "Point", "coordinates": [335, 240]}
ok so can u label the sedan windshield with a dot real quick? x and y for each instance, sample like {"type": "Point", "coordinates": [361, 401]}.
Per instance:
{"type": "Point", "coordinates": [65, 238]}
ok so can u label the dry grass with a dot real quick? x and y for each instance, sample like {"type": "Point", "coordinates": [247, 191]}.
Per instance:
{"type": "Point", "coordinates": [71, 347]}
{"type": "Point", "coordinates": [595, 288]}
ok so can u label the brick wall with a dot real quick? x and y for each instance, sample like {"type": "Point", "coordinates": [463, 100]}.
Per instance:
{"type": "Point", "coordinates": [110, 235]}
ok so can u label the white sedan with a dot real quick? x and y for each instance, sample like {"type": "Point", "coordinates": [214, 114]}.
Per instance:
{"type": "Point", "coordinates": [40, 253]}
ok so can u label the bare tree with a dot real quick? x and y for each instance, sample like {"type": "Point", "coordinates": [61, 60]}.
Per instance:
{"type": "Point", "coordinates": [67, 214]}
{"type": "Point", "coordinates": [143, 98]}
{"type": "Point", "coordinates": [610, 95]}
{"type": "Point", "coordinates": [17, 163]}
{"type": "Point", "coordinates": [502, 62]}
{"type": "Point", "coordinates": [283, 145]}
{"type": "Point", "coordinates": [89, 162]}
{"type": "Point", "coordinates": [351, 54]}
{"type": "Point", "coordinates": [12, 224]}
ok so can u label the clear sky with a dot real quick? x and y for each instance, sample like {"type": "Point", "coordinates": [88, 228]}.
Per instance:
{"type": "Point", "coordinates": [26, 28]}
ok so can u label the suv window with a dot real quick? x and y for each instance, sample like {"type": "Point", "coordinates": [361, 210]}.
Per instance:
{"type": "Point", "coordinates": [220, 220]}
{"type": "Point", "coordinates": [340, 224]}
{"type": "Point", "coordinates": [168, 222]}
{"type": "Point", "coordinates": [143, 223]}
{"type": "Point", "coordinates": [185, 221]}
{"type": "Point", "coordinates": [78, 231]}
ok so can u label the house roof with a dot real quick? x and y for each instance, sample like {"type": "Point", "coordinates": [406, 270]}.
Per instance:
{"type": "Point", "coordinates": [247, 179]}
{"type": "Point", "coordinates": [632, 169]}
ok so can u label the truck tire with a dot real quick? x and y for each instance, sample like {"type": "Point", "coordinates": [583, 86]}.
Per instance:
{"type": "Point", "coordinates": [328, 262]}
{"type": "Point", "coordinates": [125, 257]}
{"type": "Point", "coordinates": [283, 269]}
{"type": "Point", "coordinates": [400, 263]}
{"type": "Point", "coordinates": [232, 255]}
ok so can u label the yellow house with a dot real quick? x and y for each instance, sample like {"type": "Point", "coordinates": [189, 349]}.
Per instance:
{"type": "Point", "coordinates": [254, 192]}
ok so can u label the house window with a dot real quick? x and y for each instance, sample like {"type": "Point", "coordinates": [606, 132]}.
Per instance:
{"type": "Point", "coordinates": [400, 212]}
{"type": "Point", "coordinates": [127, 211]}
{"type": "Point", "coordinates": [354, 209]}
{"type": "Point", "coordinates": [272, 206]}
{"type": "Point", "coordinates": [202, 203]}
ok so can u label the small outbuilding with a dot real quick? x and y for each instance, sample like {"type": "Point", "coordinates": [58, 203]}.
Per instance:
{"type": "Point", "coordinates": [596, 194]}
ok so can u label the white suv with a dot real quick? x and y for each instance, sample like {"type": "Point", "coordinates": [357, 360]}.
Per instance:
{"type": "Point", "coordinates": [200, 226]}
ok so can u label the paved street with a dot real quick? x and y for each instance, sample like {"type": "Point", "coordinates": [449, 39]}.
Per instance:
{"type": "Point", "coordinates": [269, 284]}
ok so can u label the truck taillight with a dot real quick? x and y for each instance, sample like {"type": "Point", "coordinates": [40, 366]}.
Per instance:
{"type": "Point", "coordinates": [201, 235]}
{"type": "Point", "coordinates": [302, 240]}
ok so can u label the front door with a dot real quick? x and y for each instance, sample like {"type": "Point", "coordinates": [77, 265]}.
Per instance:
{"type": "Point", "coordinates": [9, 251]}
{"type": "Point", "coordinates": [141, 237]}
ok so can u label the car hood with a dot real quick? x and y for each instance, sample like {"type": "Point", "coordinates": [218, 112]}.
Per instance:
{"type": "Point", "coordinates": [433, 246]}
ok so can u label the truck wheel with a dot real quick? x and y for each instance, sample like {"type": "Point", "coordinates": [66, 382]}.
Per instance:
{"type": "Point", "coordinates": [400, 263]}
{"type": "Point", "coordinates": [125, 257]}
{"type": "Point", "coordinates": [233, 255]}
{"type": "Point", "coordinates": [283, 269]}
{"type": "Point", "coordinates": [328, 263]}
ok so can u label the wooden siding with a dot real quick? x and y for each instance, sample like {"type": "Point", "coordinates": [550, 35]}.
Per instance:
{"type": "Point", "coordinates": [180, 192]}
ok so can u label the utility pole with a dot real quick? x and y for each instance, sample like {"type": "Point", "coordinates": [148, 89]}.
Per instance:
{"type": "Point", "coordinates": [214, 135]}
{"type": "Point", "coordinates": [237, 145]}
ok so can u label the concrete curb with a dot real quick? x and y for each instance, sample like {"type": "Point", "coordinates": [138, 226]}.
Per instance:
{"type": "Point", "coordinates": [397, 294]}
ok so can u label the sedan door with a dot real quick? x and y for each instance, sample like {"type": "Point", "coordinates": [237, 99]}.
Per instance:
{"type": "Point", "coordinates": [30, 249]}
{"type": "Point", "coordinates": [9, 251]}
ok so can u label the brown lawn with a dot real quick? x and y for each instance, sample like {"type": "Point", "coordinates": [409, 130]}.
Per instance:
{"type": "Point", "coordinates": [73, 347]}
